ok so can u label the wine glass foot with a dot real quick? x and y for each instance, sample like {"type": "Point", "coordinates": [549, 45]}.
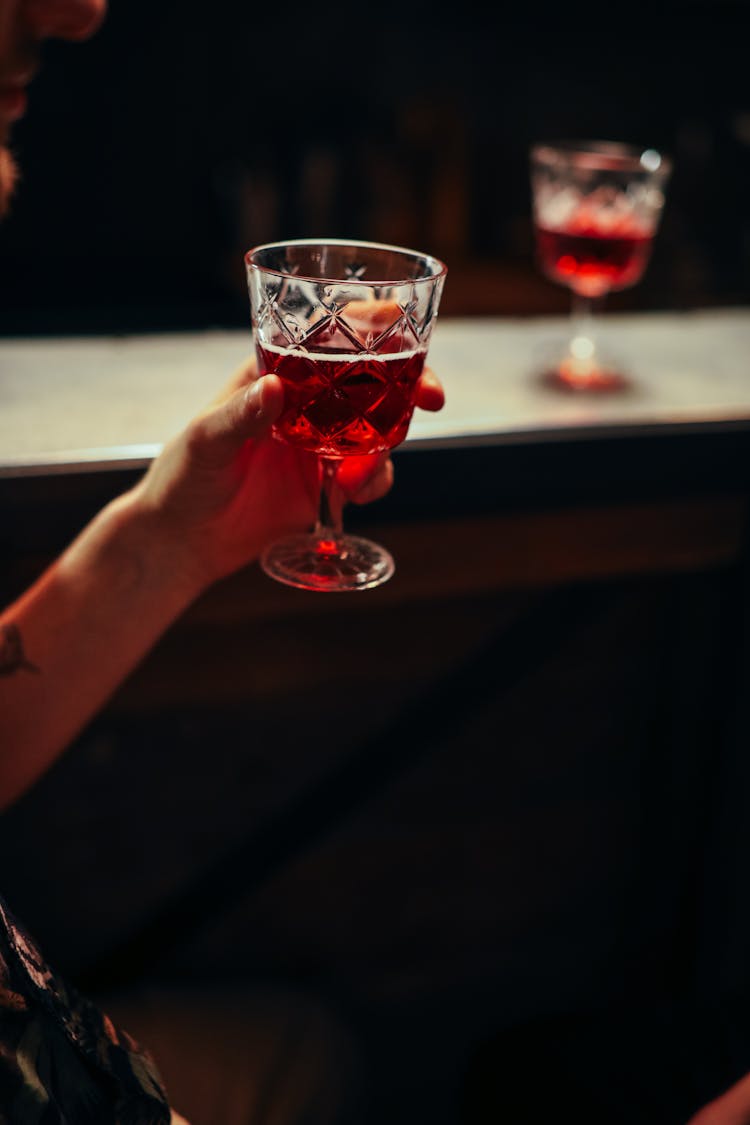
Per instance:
{"type": "Point", "coordinates": [344, 563]}
{"type": "Point", "coordinates": [570, 374]}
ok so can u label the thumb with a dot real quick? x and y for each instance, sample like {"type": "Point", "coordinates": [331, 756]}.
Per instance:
{"type": "Point", "coordinates": [217, 436]}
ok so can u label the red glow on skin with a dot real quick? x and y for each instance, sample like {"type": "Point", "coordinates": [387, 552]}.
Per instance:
{"type": "Point", "coordinates": [12, 103]}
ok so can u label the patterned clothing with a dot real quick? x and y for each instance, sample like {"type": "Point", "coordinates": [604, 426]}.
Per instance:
{"type": "Point", "coordinates": [62, 1061]}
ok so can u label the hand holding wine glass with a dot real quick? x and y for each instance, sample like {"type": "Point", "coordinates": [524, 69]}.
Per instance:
{"type": "Point", "coordinates": [346, 327]}
{"type": "Point", "coordinates": [596, 210]}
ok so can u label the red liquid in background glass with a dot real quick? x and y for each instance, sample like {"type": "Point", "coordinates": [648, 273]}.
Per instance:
{"type": "Point", "coordinates": [338, 405]}
{"type": "Point", "coordinates": [593, 261]}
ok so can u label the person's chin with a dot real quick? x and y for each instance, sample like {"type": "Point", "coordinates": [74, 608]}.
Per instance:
{"type": "Point", "coordinates": [8, 178]}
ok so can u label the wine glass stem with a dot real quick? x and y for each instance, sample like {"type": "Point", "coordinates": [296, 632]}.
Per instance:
{"type": "Point", "coordinates": [583, 347]}
{"type": "Point", "coordinates": [329, 522]}
{"type": "Point", "coordinates": [582, 318]}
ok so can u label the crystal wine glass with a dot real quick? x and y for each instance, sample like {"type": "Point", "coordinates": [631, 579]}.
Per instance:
{"type": "Point", "coordinates": [346, 327]}
{"type": "Point", "coordinates": [596, 209]}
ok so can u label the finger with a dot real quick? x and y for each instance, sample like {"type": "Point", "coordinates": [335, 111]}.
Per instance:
{"type": "Point", "coordinates": [354, 472]}
{"type": "Point", "coordinates": [430, 393]}
{"type": "Point", "coordinates": [363, 479]}
{"type": "Point", "coordinates": [372, 313]}
{"type": "Point", "coordinates": [377, 486]}
{"type": "Point", "coordinates": [217, 436]}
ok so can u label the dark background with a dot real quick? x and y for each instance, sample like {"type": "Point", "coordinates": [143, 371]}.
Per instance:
{"type": "Point", "coordinates": [502, 828]}
{"type": "Point", "coordinates": [156, 154]}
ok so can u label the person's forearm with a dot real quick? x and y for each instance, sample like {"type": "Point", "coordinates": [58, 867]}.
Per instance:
{"type": "Point", "coordinates": [72, 638]}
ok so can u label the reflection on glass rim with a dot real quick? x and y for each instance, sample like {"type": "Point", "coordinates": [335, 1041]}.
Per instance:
{"type": "Point", "coordinates": [434, 268]}
{"type": "Point", "coordinates": [602, 155]}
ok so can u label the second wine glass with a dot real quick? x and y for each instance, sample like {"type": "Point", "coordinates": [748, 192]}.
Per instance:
{"type": "Point", "coordinates": [596, 209]}
{"type": "Point", "coordinates": [346, 327]}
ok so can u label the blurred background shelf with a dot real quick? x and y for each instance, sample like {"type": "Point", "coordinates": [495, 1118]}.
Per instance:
{"type": "Point", "coordinates": [138, 202]}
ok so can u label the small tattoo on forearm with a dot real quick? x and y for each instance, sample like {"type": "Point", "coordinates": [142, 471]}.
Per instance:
{"type": "Point", "coordinates": [12, 657]}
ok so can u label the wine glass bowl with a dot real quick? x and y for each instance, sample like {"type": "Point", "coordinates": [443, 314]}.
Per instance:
{"type": "Point", "coordinates": [596, 208]}
{"type": "Point", "coordinates": [346, 327]}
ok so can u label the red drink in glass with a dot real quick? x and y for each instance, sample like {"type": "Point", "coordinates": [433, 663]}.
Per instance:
{"type": "Point", "coordinates": [338, 404]}
{"type": "Point", "coordinates": [593, 260]}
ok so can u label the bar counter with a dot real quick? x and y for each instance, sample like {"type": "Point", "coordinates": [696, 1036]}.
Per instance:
{"type": "Point", "coordinates": [73, 403]}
